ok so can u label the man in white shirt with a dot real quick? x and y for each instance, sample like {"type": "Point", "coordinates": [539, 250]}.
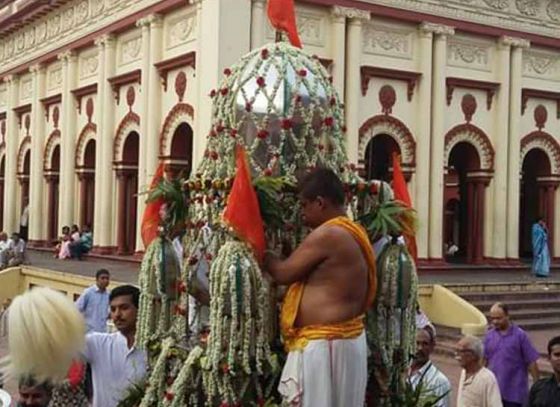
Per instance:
{"type": "Point", "coordinates": [116, 363]}
{"type": "Point", "coordinates": [478, 386]}
{"type": "Point", "coordinates": [425, 374]}
{"type": "Point", "coordinates": [16, 250]}
{"type": "Point", "coordinates": [3, 250]}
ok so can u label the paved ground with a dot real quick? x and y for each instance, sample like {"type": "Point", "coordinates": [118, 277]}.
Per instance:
{"type": "Point", "coordinates": [128, 272]}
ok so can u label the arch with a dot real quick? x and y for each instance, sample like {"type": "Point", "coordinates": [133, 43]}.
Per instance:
{"type": "Point", "coordinates": [180, 113]}
{"type": "Point", "coordinates": [52, 142]}
{"type": "Point", "coordinates": [378, 158]}
{"type": "Point", "coordinates": [383, 124]}
{"type": "Point", "coordinates": [130, 123]}
{"type": "Point", "coordinates": [2, 149]}
{"type": "Point", "coordinates": [473, 135]}
{"type": "Point", "coordinates": [88, 133]}
{"type": "Point", "coordinates": [544, 142]}
{"type": "Point", "coordinates": [24, 147]}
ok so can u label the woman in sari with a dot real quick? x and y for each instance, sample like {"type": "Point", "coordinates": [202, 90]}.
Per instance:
{"type": "Point", "coordinates": [541, 254]}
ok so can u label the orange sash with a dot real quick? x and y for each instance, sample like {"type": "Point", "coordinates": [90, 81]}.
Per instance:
{"type": "Point", "coordinates": [297, 338]}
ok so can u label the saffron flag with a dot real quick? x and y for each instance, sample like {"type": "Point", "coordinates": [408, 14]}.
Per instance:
{"type": "Point", "coordinates": [401, 194]}
{"type": "Point", "coordinates": [151, 217]}
{"type": "Point", "coordinates": [242, 211]}
{"type": "Point", "coordinates": [282, 16]}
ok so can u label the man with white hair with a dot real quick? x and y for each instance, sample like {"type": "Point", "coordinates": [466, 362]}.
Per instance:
{"type": "Point", "coordinates": [478, 386]}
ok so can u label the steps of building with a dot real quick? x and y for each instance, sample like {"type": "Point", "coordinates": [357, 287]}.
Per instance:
{"type": "Point", "coordinates": [528, 304]}
{"type": "Point", "coordinates": [511, 296]}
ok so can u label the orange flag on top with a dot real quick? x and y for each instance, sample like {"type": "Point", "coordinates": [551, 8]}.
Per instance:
{"type": "Point", "coordinates": [282, 16]}
{"type": "Point", "coordinates": [151, 217]}
{"type": "Point", "coordinates": [401, 194]}
{"type": "Point", "coordinates": [242, 211]}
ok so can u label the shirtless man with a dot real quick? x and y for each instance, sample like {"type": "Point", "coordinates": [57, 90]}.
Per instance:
{"type": "Point", "coordinates": [332, 283]}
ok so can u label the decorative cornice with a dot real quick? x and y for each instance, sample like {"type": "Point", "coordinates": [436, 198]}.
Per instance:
{"type": "Point", "coordinates": [353, 13]}
{"type": "Point", "coordinates": [164, 67]}
{"type": "Point", "coordinates": [489, 87]}
{"type": "Point", "coordinates": [37, 68]}
{"type": "Point", "coordinates": [124, 79]}
{"type": "Point", "coordinates": [528, 93]}
{"type": "Point", "coordinates": [67, 56]}
{"type": "Point", "coordinates": [105, 40]}
{"type": "Point", "coordinates": [49, 101]}
{"type": "Point", "coordinates": [150, 21]}
{"type": "Point", "coordinates": [515, 42]}
{"type": "Point", "coordinates": [79, 93]}
{"type": "Point", "coordinates": [368, 72]}
{"type": "Point", "coordinates": [433, 28]}
{"type": "Point", "coordinates": [20, 111]}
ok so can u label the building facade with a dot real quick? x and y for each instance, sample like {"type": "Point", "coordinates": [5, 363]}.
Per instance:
{"type": "Point", "coordinates": [94, 93]}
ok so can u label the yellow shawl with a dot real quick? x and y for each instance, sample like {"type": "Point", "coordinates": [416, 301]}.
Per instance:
{"type": "Point", "coordinates": [297, 338]}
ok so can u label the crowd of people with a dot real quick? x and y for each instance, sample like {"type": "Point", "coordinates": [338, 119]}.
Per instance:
{"type": "Point", "coordinates": [12, 250]}
{"type": "Point", "coordinates": [73, 242]}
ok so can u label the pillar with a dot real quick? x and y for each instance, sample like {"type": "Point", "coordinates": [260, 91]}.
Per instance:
{"type": "Point", "coordinates": [338, 41]}
{"type": "Point", "coordinates": [353, 93]}
{"type": "Point", "coordinates": [437, 138]}
{"type": "Point", "coordinates": [258, 24]}
{"type": "Point", "coordinates": [423, 98]}
{"type": "Point", "coordinates": [121, 212]}
{"type": "Point", "coordinates": [514, 144]}
{"type": "Point", "coordinates": [67, 199]}
{"type": "Point", "coordinates": [98, 215]}
{"type": "Point", "coordinates": [37, 231]}
{"type": "Point", "coordinates": [498, 239]}
{"type": "Point", "coordinates": [12, 138]}
{"type": "Point", "coordinates": [52, 228]}
{"type": "Point", "coordinates": [217, 24]}
{"type": "Point", "coordinates": [104, 174]}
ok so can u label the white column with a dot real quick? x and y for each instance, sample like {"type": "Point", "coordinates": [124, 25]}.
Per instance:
{"type": "Point", "coordinates": [423, 127]}
{"type": "Point", "coordinates": [98, 215]}
{"type": "Point", "coordinates": [217, 23]}
{"type": "Point", "coordinates": [496, 242]}
{"type": "Point", "coordinates": [437, 142]}
{"type": "Point", "coordinates": [258, 23]}
{"type": "Point", "coordinates": [12, 139]}
{"type": "Point", "coordinates": [105, 174]}
{"type": "Point", "coordinates": [353, 89]}
{"type": "Point", "coordinates": [338, 33]}
{"type": "Point", "coordinates": [37, 223]}
{"type": "Point", "coordinates": [514, 144]}
{"type": "Point", "coordinates": [67, 141]}
{"type": "Point", "coordinates": [154, 94]}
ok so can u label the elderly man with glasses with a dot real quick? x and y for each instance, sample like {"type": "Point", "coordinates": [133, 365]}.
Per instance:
{"type": "Point", "coordinates": [478, 386]}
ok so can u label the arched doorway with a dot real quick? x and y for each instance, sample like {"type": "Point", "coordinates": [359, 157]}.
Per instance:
{"type": "Point", "coordinates": [178, 161]}
{"type": "Point", "coordinates": [2, 175]}
{"type": "Point", "coordinates": [52, 177]}
{"type": "Point", "coordinates": [86, 177]}
{"type": "Point", "coordinates": [537, 192]}
{"type": "Point", "coordinates": [379, 157]}
{"type": "Point", "coordinates": [127, 190]}
{"type": "Point", "coordinates": [464, 197]}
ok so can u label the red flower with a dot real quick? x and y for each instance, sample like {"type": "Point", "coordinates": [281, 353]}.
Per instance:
{"type": "Point", "coordinates": [209, 256]}
{"type": "Point", "coordinates": [352, 167]}
{"type": "Point", "coordinates": [225, 368]}
{"type": "Point", "coordinates": [248, 106]}
{"type": "Point", "coordinates": [212, 133]}
{"type": "Point", "coordinates": [169, 396]}
{"type": "Point", "coordinates": [193, 260]}
{"type": "Point", "coordinates": [373, 188]}
{"type": "Point", "coordinates": [227, 72]}
{"type": "Point", "coordinates": [329, 121]}
{"type": "Point", "coordinates": [219, 128]}
{"type": "Point", "coordinates": [209, 199]}
{"type": "Point", "coordinates": [214, 155]}
{"type": "Point", "coordinates": [224, 91]}
{"type": "Point", "coordinates": [298, 99]}
{"type": "Point", "coordinates": [264, 53]}
{"type": "Point", "coordinates": [213, 93]}
{"type": "Point", "coordinates": [180, 310]}
{"type": "Point", "coordinates": [321, 147]}
{"type": "Point", "coordinates": [260, 402]}
{"type": "Point", "coordinates": [262, 134]}
{"type": "Point", "coordinates": [286, 124]}
{"type": "Point", "coordinates": [302, 73]}
{"type": "Point", "coordinates": [233, 133]}
{"type": "Point", "coordinates": [261, 82]}
{"type": "Point", "coordinates": [268, 172]}
{"type": "Point", "coordinates": [333, 101]}
{"type": "Point", "coordinates": [182, 287]}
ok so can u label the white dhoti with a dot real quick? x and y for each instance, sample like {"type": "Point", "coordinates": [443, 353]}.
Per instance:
{"type": "Point", "coordinates": [326, 373]}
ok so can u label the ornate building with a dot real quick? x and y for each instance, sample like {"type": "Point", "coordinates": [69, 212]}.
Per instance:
{"type": "Point", "coordinates": [93, 93]}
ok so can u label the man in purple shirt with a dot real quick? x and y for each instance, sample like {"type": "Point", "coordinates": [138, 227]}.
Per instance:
{"type": "Point", "coordinates": [509, 355]}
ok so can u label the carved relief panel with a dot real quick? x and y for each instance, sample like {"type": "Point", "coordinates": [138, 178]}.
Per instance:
{"type": "Point", "coordinates": [26, 87]}
{"type": "Point", "coordinates": [312, 28]}
{"type": "Point", "coordinates": [129, 48]}
{"type": "Point", "coordinates": [88, 65]}
{"type": "Point", "coordinates": [541, 65]}
{"type": "Point", "coordinates": [3, 97]}
{"type": "Point", "coordinates": [180, 29]}
{"type": "Point", "coordinates": [466, 53]}
{"type": "Point", "coordinates": [54, 77]}
{"type": "Point", "coordinates": [388, 39]}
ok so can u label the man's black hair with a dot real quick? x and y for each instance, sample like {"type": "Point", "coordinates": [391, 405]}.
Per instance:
{"type": "Point", "coordinates": [30, 381]}
{"type": "Point", "coordinates": [123, 290]}
{"type": "Point", "coordinates": [503, 307]}
{"type": "Point", "coordinates": [101, 272]}
{"type": "Point", "coordinates": [553, 342]}
{"type": "Point", "coordinates": [322, 182]}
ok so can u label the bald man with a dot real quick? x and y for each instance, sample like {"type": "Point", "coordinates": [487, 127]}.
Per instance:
{"type": "Point", "coordinates": [510, 355]}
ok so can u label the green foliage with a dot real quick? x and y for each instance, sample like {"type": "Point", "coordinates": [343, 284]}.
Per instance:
{"type": "Point", "coordinates": [134, 395]}
{"type": "Point", "coordinates": [387, 218]}
{"type": "Point", "coordinates": [171, 192]}
{"type": "Point", "coordinates": [272, 200]}
{"type": "Point", "coordinates": [419, 396]}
